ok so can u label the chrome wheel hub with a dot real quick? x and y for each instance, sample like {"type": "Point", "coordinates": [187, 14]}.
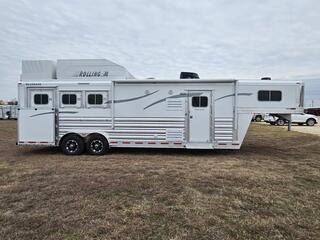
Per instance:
{"type": "Point", "coordinates": [96, 146]}
{"type": "Point", "coordinates": [71, 146]}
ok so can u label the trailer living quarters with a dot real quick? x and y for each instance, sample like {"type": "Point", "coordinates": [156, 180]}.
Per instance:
{"type": "Point", "coordinates": [97, 105]}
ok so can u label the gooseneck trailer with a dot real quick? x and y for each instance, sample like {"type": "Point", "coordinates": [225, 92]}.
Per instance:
{"type": "Point", "coordinates": [95, 105]}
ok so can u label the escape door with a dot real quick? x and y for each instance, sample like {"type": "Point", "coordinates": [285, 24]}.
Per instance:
{"type": "Point", "coordinates": [200, 111]}
{"type": "Point", "coordinates": [37, 119]}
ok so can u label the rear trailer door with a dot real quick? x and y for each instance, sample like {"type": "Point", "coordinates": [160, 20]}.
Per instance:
{"type": "Point", "coordinates": [36, 122]}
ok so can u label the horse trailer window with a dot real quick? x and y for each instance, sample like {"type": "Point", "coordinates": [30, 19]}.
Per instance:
{"type": "Point", "coordinates": [95, 99]}
{"type": "Point", "coordinates": [199, 101]}
{"type": "Point", "coordinates": [263, 95]}
{"type": "Point", "coordinates": [69, 99]}
{"type": "Point", "coordinates": [266, 96]}
{"type": "Point", "coordinates": [203, 101]}
{"type": "Point", "coordinates": [41, 99]}
{"type": "Point", "coordinates": [275, 96]}
{"type": "Point", "coordinates": [195, 101]}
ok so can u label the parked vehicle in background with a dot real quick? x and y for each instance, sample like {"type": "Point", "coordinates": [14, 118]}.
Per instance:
{"type": "Point", "coordinates": [298, 118]}
{"type": "Point", "coordinates": [258, 117]}
{"type": "Point", "coordinates": [313, 110]}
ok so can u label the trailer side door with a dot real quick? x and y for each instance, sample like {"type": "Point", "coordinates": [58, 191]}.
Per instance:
{"type": "Point", "coordinates": [37, 118]}
{"type": "Point", "coordinates": [200, 115]}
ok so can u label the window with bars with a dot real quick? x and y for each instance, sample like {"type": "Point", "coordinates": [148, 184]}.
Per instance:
{"type": "Point", "coordinates": [95, 99]}
{"type": "Point", "coordinates": [199, 101]}
{"type": "Point", "coordinates": [69, 99]}
{"type": "Point", "coordinates": [41, 99]}
{"type": "Point", "coordinates": [269, 95]}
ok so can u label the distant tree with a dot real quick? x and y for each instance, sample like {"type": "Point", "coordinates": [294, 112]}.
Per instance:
{"type": "Point", "coordinates": [13, 102]}
{"type": "Point", "coordinates": [2, 102]}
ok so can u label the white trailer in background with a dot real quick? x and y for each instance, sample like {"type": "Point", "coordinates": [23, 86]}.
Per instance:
{"type": "Point", "coordinates": [97, 105]}
{"type": "Point", "coordinates": [8, 112]}
{"type": "Point", "coordinates": [13, 112]}
{"type": "Point", "coordinates": [3, 114]}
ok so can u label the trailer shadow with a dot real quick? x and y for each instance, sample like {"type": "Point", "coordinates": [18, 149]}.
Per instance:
{"type": "Point", "coordinates": [171, 151]}
{"type": "Point", "coordinates": [28, 151]}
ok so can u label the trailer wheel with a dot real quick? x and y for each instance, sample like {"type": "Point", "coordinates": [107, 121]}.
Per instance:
{"type": "Point", "coordinates": [310, 122]}
{"type": "Point", "coordinates": [280, 122]}
{"type": "Point", "coordinates": [72, 145]}
{"type": "Point", "coordinates": [258, 118]}
{"type": "Point", "coordinates": [97, 144]}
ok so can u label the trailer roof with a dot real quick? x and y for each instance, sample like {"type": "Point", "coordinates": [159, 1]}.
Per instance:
{"type": "Point", "coordinates": [141, 81]}
{"type": "Point", "coordinates": [174, 80]}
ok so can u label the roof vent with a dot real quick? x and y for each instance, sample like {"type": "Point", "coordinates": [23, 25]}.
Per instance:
{"type": "Point", "coordinates": [184, 75]}
{"type": "Point", "coordinates": [266, 78]}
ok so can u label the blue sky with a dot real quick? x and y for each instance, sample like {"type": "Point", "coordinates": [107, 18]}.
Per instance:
{"type": "Point", "coordinates": [229, 39]}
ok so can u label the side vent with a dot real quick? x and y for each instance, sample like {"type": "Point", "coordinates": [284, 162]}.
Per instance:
{"type": "Point", "coordinates": [174, 104]}
{"type": "Point", "coordinates": [174, 135]}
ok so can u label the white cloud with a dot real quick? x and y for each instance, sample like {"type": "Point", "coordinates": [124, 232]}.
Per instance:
{"type": "Point", "coordinates": [239, 39]}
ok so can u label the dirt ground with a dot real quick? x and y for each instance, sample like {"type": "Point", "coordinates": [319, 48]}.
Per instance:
{"type": "Point", "coordinates": [305, 129]}
{"type": "Point", "coordinates": [270, 189]}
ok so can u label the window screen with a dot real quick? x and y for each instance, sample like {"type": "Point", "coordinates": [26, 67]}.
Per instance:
{"type": "Point", "coordinates": [95, 99]}
{"type": "Point", "coordinates": [203, 101]}
{"type": "Point", "coordinates": [275, 96]}
{"type": "Point", "coordinates": [263, 95]}
{"type": "Point", "coordinates": [195, 101]}
{"type": "Point", "coordinates": [199, 101]}
{"type": "Point", "coordinates": [266, 95]}
{"type": "Point", "coordinates": [69, 99]}
{"type": "Point", "coordinates": [41, 99]}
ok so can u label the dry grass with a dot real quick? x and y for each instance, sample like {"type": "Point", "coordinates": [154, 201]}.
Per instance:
{"type": "Point", "coordinates": [270, 189]}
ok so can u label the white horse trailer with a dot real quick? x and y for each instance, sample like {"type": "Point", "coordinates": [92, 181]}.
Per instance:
{"type": "Point", "coordinates": [97, 105]}
{"type": "Point", "coordinates": [3, 114]}
{"type": "Point", "coordinates": [13, 112]}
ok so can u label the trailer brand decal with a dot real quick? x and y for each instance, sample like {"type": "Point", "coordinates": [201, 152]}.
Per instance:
{"type": "Point", "coordinates": [33, 84]}
{"type": "Point", "coordinates": [92, 74]}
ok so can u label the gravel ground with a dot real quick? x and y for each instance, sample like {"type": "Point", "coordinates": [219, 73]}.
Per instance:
{"type": "Point", "coordinates": [303, 129]}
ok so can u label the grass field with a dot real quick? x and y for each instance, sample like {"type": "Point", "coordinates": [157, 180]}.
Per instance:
{"type": "Point", "coordinates": [270, 189]}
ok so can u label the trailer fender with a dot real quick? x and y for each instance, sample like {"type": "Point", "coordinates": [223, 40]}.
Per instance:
{"type": "Point", "coordinates": [85, 135]}
{"type": "Point", "coordinates": [106, 135]}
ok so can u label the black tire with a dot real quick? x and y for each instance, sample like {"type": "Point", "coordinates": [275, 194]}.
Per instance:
{"type": "Point", "coordinates": [311, 122]}
{"type": "Point", "coordinates": [72, 144]}
{"type": "Point", "coordinates": [258, 118]}
{"type": "Point", "coordinates": [97, 145]}
{"type": "Point", "coordinates": [280, 122]}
